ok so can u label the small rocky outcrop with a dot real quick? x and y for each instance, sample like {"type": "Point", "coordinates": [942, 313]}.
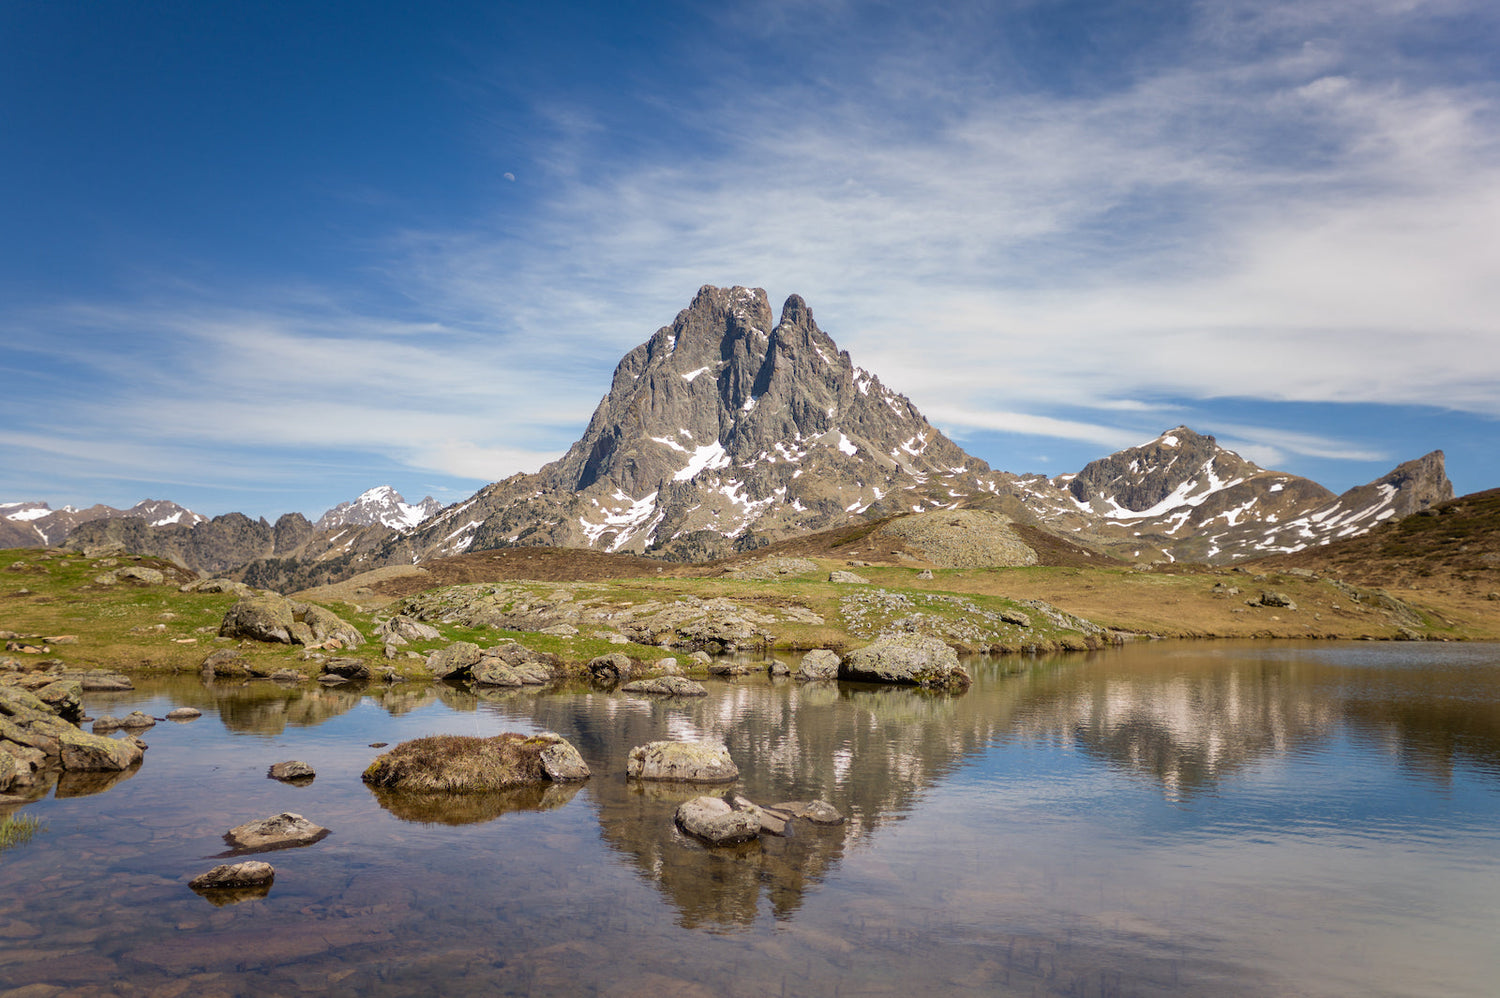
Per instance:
{"type": "Point", "coordinates": [272, 618]}
{"type": "Point", "coordinates": [184, 714]}
{"type": "Point", "coordinates": [848, 578]}
{"type": "Point", "coordinates": [683, 762]}
{"type": "Point", "coordinates": [819, 664]}
{"type": "Point", "coordinates": [35, 740]}
{"type": "Point", "coordinates": [667, 686]}
{"type": "Point", "coordinates": [218, 586]}
{"type": "Point", "coordinates": [907, 659]}
{"type": "Point", "coordinates": [401, 629]}
{"type": "Point", "coordinates": [135, 720]}
{"type": "Point", "coordinates": [65, 696]}
{"type": "Point", "coordinates": [1273, 598]}
{"type": "Point", "coordinates": [348, 668]}
{"type": "Point", "coordinates": [455, 661]}
{"type": "Point", "coordinates": [513, 664]}
{"type": "Point", "coordinates": [292, 771]}
{"type": "Point", "coordinates": [280, 831]}
{"type": "Point", "coordinates": [465, 764]}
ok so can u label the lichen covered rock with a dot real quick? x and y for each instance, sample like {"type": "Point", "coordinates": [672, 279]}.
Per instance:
{"type": "Point", "coordinates": [686, 762]}
{"type": "Point", "coordinates": [908, 659]}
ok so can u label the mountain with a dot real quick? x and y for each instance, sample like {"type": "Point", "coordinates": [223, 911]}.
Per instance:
{"type": "Point", "coordinates": [35, 524]}
{"type": "Point", "coordinates": [1182, 497]}
{"type": "Point", "coordinates": [381, 505]}
{"type": "Point", "coordinates": [721, 432]}
{"type": "Point", "coordinates": [725, 432]}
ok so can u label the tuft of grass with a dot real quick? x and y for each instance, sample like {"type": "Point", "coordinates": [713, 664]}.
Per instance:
{"type": "Point", "coordinates": [460, 764]}
{"type": "Point", "coordinates": [18, 830]}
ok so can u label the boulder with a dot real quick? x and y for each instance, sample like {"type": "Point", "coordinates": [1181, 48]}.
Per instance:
{"type": "Point", "coordinates": [291, 771]}
{"type": "Point", "coordinates": [136, 573]}
{"type": "Point", "coordinates": [455, 661]}
{"type": "Point", "coordinates": [668, 667]}
{"type": "Point", "coordinates": [401, 629]}
{"type": "Point", "coordinates": [281, 831]}
{"type": "Point", "coordinates": [1270, 597]}
{"type": "Point", "coordinates": [82, 751]}
{"type": "Point", "coordinates": [327, 625]}
{"type": "Point", "coordinates": [226, 662]}
{"type": "Point", "coordinates": [65, 697]}
{"type": "Point", "coordinates": [184, 714]}
{"type": "Point", "coordinates": [466, 764]}
{"type": "Point", "coordinates": [347, 668]}
{"type": "Point", "coordinates": [686, 762]}
{"type": "Point", "coordinates": [908, 659]}
{"type": "Point", "coordinates": [771, 820]}
{"type": "Point", "coordinates": [218, 586]}
{"type": "Point", "coordinates": [134, 720]}
{"type": "Point", "coordinates": [492, 671]}
{"type": "Point", "coordinates": [715, 822]}
{"type": "Point", "coordinates": [612, 668]}
{"type": "Point", "coordinates": [249, 874]}
{"type": "Point", "coordinates": [819, 664]}
{"type": "Point", "coordinates": [101, 681]}
{"type": "Point", "coordinates": [818, 812]}
{"type": "Point", "coordinates": [778, 668]}
{"type": "Point", "coordinates": [261, 617]}
{"type": "Point", "coordinates": [667, 686]}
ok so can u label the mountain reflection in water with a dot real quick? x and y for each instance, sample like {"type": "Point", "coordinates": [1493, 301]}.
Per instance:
{"type": "Point", "coordinates": [1171, 819]}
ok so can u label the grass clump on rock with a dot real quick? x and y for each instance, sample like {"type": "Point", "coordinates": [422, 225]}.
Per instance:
{"type": "Point", "coordinates": [466, 764]}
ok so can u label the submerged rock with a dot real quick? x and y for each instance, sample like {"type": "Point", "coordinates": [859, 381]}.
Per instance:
{"type": "Point", "coordinates": [281, 831]}
{"type": "Point", "coordinates": [687, 762]}
{"type": "Point", "coordinates": [667, 686]}
{"type": "Point", "coordinates": [251, 873]}
{"type": "Point", "coordinates": [184, 714]}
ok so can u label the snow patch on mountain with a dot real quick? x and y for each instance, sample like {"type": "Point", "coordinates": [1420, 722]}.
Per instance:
{"type": "Point", "coordinates": [381, 505]}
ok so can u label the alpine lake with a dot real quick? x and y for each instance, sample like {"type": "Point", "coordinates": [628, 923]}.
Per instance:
{"type": "Point", "coordinates": [1173, 818]}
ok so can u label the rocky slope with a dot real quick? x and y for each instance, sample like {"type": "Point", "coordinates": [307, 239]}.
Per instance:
{"type": "Point", "coordinates": [35, 524]}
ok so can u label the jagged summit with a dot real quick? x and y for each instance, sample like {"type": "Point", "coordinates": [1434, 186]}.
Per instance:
{"type": "Point", "coordinates": [381, 505]}
{"type": "Point", "coordinates": [721, 431]}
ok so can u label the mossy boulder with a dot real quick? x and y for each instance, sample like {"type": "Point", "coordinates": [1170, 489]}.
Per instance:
{"type": "Point", "coordinates": [466, 764]}
{"type": "Point", "coordinates": [907, 659]}
{"type": "Point", "coordinates": [685, 762]}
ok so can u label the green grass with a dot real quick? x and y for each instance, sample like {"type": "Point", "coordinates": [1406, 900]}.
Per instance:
{"type": "Point", "coordinates": [18, 830]}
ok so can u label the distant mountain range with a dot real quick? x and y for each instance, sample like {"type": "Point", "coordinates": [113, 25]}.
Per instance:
{"type": "Point", "coordinates": [725, 432]}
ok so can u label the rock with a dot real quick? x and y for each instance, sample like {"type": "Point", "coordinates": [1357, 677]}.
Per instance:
{"type": "Point", "coordinates": [226, 662]}
{"type": "Point", "coordinates": [1270, 597]}
{"type": "Point", "coordinates": [218, 586]}
{"type": "Point", "coordinates": [248, 874]}
{"type": "Point", "coordinates": [135, 573]}
{"type": "Point", "coordinates": [819, 664]}
{"type": "Point", "coordinates": [906, 659]}
{"type": "Point", "coordinates": [612, 668]}
{"type": "Point", "coordinates": [184, 714]}
{"type": "Point", "coordinates": [772, 820]}
{"type": "Point", "coordinates": [80, 750]}
{"type": "Point", "coordinates": [668, 667]}
{"type": "Point", "coordinates": [65, 697]}
{"type": "Point", "coordinates": [455, 661]}
{"type": "Point", "coordinates": [101, 681]}
{"type": "Point", "coordinates": [778, 668]}
{"type": "Point", "coordinates": [715, 822]}
{"type": "Point", "coordinates": [259, 618]}
{"type": "Point", "coordinates": [497, 672]}
{"type": "Point", "coordinates": [925, 574]}
{"type": "Point", "coordinates": [700, 659]}
{"type": "Point", "coordinates": [287, 676]}
{"type": "Point", "coordinates": [281, 831]}
{"type": "Point", "coordinates": [291, 771]}
{"type": "Point", "coordinates": [849, 578]}
{"type": "Point", "coordinates": [402, 629]}
{"type": "Point", "coordinates": [465, 764]}
{"type": "Point", "coordinates": [687, 762]}
{"type": "Point", "coordinates": [668, 686]}
{"type": "Point", "coordinates": [723, 668]}
{"type": "Point", "coordinates": [819, 812]}
{"type": "Point", "coordinates": [135, 719]}
{"type": "Point", "coordinates": [1014, 617]}
{"type": "Point", "coordinates": [348, 668]}
{"type": "Point", "coordinates": [327, 625]}
{"type": "Point", "coordinates": [562, 763]}
{"type": "Point", "coordinates": [560, 630]}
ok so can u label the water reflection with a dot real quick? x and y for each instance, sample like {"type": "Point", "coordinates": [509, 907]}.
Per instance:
{"type": "Point", "coordinates": [470, 809]}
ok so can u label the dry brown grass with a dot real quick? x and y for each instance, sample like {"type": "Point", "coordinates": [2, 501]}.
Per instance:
{"type": "Point", "coordinates": [460, 764]}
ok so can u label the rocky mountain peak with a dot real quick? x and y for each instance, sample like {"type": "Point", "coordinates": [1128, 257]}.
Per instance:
{"type": "Point", "coordinates": [1176, 468]}
{"type": "Point", "coordinates": [381, 505]}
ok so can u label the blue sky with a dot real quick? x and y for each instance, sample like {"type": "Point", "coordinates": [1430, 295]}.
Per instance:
{"type": "Point", "coordinates": [263, 256]}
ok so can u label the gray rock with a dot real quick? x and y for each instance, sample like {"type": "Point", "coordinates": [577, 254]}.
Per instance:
{"type": "Point", "coordinates": [687, 762]}
{"type": "Point", "coordinates": [348, 668]}
{"type": "Point", "coordinates": [819, 664]}
{"type": "Point", "coordinates": [562, 762]}
{"type": "Point", "coordinates": [906, 659]}
{"type": "Point", "coordinates": [849, 578]}
{"type": "Point", "coordinates": [136, 573]}
{"type": "Point", "coordinates": [612, 668]}
{"type": "Point", "coordinates": [1270, 597]}
{"type": "Point", "coordinates": [226, 662]}
{"type": "Point", "coordinates": [925, 574]}
{"type": "Point", "coordinates": [819, 812]}
{"type": "Point", "coordinates": [401, 629]}
{"type": "Point", "coordinates": [259, 618]}
{"type": "Point", "coordinates": [715, 822]}
{"type": "Point", "coordinates": [65, 696]}
{"type": "Point", "coordinates": [184, 714]}
{"type": "Point", "coordinates": [778, 668]}
{"type": "Point", "coordinates": [668, 667]}
{"type": "Point", "coordinates": [455, 661]}
{"type": "Point", "coordinates": [252, 873]}
{"type": "Point", "coordinates": [291, 771]}
{"type": "Point", "coordinates": [281, 831]}
{"type": "Point", "coordinates": [668, 686]}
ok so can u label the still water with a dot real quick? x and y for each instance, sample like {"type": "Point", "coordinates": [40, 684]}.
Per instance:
{"type": "Point", "coordinates": [1177, 819]}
